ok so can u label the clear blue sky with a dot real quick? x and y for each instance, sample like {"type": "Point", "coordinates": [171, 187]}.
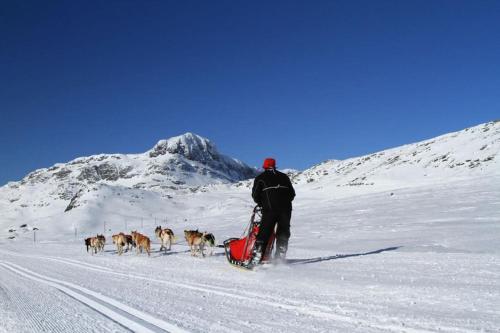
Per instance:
{"type": "Point", "coordinates": [303, 81]}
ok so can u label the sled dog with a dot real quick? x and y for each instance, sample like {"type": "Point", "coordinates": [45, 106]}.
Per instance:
{"type": "Point", "coordinates": [95, 244]}
{"type": "Point", "coordinates": [194, 239]}
{"type": "Point", "coordinates": [209, 241]}
{"type": "Point", "coordinates": [102, 241]}
{"type": "Point", "coordinates": [166, 236]}
{"type": "Point", "coordinates": [130, 242]}
{"type": "Point", "coordinates": [87, 243]}
{"type": "Point", "coordinates": [141, 242]}
{"type": "Point", "coordinates": [120, 240]}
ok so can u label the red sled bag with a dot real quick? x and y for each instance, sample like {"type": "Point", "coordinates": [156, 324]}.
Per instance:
{"type": "Point", "coordinates": [239, 250]}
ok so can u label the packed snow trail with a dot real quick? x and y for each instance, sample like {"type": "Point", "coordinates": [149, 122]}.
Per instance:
{"type": "Point", "coordinates": [37, 307]}
{"type": "Point", "coordinates": [126, 316]}
{"type": "Point", "coordinates": [305, 308]}
{"type": "Point", "coordinates": [423, 259]}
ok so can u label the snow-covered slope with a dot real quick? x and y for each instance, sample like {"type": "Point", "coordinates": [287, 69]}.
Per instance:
{"type": "Point", "coordinates": [176, 165]}
{"type": "Point", "coordinates": [182, 161]}
{"type": "Point", "coordinates": [413, 247]}
{"type": "Point", "coordinates": [425, 259]}
{"type": "Point", "coordinates": [460, 155]}
{"type": "Point", "coordinates": [157, 184]}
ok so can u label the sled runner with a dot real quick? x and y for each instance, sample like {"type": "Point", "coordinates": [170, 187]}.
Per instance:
{"type": "Point", "coordinates": [239, 250]}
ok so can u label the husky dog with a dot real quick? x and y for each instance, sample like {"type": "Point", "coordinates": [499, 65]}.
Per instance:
{"type": "Point", "coordinates": [87, 243]}
{"type": "Point", "coordinates": [209, 241]}
{"type": "Point", "coordinates": [120, 241]}
{"type": "Point", "coordinates": [166, 236]}
{"type": "Point", "coordinates": [158, 230]}
{"type": "Point", "coordinates": [130, 242]}
{"type": "Point", "coordinates": [194, 238]}
{"type": "Point", "coordinates": [141, 242]}
{"type": "Point", "coordinates": [95, 243]}
{"type": "Point", "coordinates": [102, 241]}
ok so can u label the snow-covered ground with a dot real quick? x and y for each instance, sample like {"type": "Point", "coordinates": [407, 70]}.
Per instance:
{"type": "Point", "coordinates": [415, 259]}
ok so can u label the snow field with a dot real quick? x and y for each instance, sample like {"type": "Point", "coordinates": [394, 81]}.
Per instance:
{"type": "Point", "coordinates": [424, 259]}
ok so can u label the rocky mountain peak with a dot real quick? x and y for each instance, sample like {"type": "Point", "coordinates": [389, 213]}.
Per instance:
{"type": "Point", "coordinates": [190, 145]}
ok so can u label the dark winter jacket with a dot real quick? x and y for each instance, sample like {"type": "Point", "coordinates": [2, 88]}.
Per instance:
{"type": "Point", "coordinates": [273, 190]}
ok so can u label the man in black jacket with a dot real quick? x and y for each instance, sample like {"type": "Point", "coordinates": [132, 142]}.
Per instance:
{"type": "Point", "coordinates": [273, 191]}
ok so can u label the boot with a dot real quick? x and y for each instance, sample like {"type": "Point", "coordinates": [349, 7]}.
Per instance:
{"type": "Point", "coordinates": [280, 254]}
{"type": "Point", "coordinates": [256, 254]}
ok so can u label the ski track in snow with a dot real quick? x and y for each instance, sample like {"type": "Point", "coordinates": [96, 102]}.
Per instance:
{"type": "Point", "coordinates": [259, 300]}
{"type": "Point", "coordinates": [281, 303]}
{"type": "Point", "coordinates": [126, 316]}
{"type": "Point", "coordinates": [31, 312]}
{"type": "Point", "coordinates": [422, 260]}
{"type": "Point", "coordinates": [307, 308]}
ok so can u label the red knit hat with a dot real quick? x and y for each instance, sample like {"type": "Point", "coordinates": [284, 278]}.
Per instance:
{"type": "Point", "coordinates": [269, 163]}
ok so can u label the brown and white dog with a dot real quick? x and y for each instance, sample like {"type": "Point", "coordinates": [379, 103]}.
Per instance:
{"type": "Point", "coordinates": [166, 236]}
{"type": "Point", "coordinates": [102, 240]}
{"type": "Point", "coordinates": [141, 242]}
{"type": "Point", "coordinates": [95, 243]}
{"type": "Point", "coordinates": [194, 239]}
{"type": "Point", "coordinates": [120, 240]}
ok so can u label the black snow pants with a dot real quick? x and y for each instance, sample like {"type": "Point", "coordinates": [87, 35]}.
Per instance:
{"type": "Point", "coordinates": [269, 220]}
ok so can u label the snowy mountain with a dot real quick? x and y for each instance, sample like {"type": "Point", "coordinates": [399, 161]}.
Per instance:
{"type": "Point", "coordinates": [187, 160]}
{"type": "Point", "coordinates": [468, 153]}
{"type": "Point", "coordinates": [175, 165]}
{"type": "Point", "coordinates": [161, 181]}
{"type": "Point", "coordinates": [411, 247]}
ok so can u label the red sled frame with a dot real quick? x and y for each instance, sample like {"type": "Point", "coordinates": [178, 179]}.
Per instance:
{"type": "Point", "coordinates": [239, 250]}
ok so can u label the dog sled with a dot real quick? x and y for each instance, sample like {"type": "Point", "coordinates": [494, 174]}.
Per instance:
{"type": "Point", "coordinates": [239, 250]}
